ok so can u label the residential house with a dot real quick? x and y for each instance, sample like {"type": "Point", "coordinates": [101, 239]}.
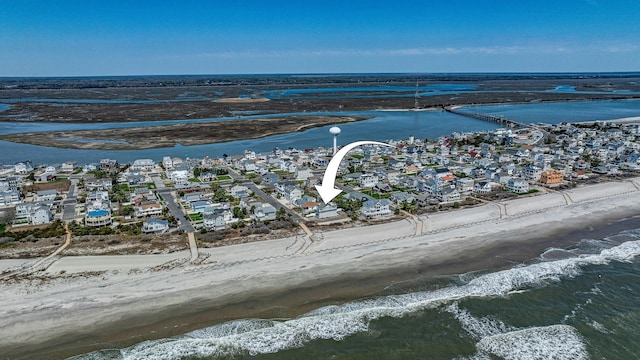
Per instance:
{"type": "Point", "coordinates": [518, 185]}
{"type": "Point", "coordinates": [143, 164]}
{"type": "Point", "coordinates": [33, 213]}
{"type": "Point", "coordinates": [308, 207]}
{"type": "Point", "coordinates": [98, 209]}
{"type": "Point", "coordinates": [326, 211]}
{"type": "Point", "coordinates": [320, 162]}
{"type": "Point", "coordinates": [531, 172]}
{"type": "Point", "coordinates": [23, 168]}
{"type": "Point", "coordinates": [217, 220]}
{"type": "Point", "coordinates": [155, 226]}
{"type": "Point", "coordinates": [303, 173]}
{"type": "Point", "coordinates": [375, 209]}
{"type": "Point", "coordinates": [46, 195]}
{"type": "Point", "coordinates": [148, 208]}
{"type": "Point", "coordinates": [431, 186]}
{"type": "Point", "coordinates": [368, 180]}
{"type": "Point", "coordinates": [69, 166]}
{"type": "Point", "coordinates": [207, 176]}
{"type": "Point", "coordinates": [136, 179]}
{"type": "Point", "coordinates": [464, 185]}
{"type": "Point", "coordinates": [179, 174]}
{"type": "Point", "coordinates": [193, 196]}
{"type": "Point", "coordinates": [501, 177]}
{"type": "Point", "coordinates": [167, 163]}
{"type": "Point", "coordinates": [551, 176]}
{"type": "Point", "coordinates": [239, 191]}
{"type": "Point", "coordinates": [199, 206]}
{"type": "Point", "coordinates": [246, 165]}
{"type": "Point", "coordinates": [269, 178]}
{"type": "Point", "coordinates": [448, 194]}
{"type": "Point", "coordinates": [99, 184]}
{"type": "Point", "coordinates": [44, 177]}
{"type": "Point", "coordinates": [401, 196]}
{"type": "Point", "coordinates": [305, 198]}
{"type": "Point", "coordinates": [98, 217]}
{"type": "Point", "coordinates": [264, 212]}
{"type": "Point", "coordinates": [9, 197]}
{"type": "Point", "coordinates": [484, 187]}
{"type": "Point", "coordinates": [289, 191]}
{"type": "Point", "coordinates": [383, 187]}
{"type": "Point", "coordinates": [109, 165]}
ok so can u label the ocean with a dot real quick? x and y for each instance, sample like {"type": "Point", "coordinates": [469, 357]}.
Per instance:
{"type": "Point", "coordinates": [578, 302]}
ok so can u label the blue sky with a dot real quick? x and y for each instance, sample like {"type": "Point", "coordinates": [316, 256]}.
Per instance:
{"type": "Point", "coordinates": [83, 38]}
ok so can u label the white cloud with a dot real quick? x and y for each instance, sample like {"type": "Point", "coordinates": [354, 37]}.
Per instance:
{"type": "Point", "coordinates": [420, 51]}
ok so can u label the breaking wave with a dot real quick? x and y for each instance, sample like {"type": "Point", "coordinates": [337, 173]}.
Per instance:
{"type": "Point", "coordinates": [255, 336]}
{"type": "Point", "coordinates": [496, 338]}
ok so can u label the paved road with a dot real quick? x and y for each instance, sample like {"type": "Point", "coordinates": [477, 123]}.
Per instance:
{"type": "Point", "coordinates": [69, 204]}
{"type": "Point", "coordinates": [265, 197]}
{"type": "Point", "coordinates": [176, 210]}
{"type": "Point", "coordinates": [273, 202]}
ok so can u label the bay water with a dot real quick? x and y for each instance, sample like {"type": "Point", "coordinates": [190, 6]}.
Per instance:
{"type": "Point", "coordinates": [381, 125]}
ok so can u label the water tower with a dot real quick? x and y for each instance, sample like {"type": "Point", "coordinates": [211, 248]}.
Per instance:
{"type": "Point", "coordinates": [335, 131]}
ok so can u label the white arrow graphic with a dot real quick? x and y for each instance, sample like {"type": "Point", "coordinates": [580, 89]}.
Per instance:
{"type": "Point", "coordinates": [326, 190]}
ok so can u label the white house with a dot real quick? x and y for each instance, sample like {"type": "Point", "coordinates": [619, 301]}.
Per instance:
{"type": "Point", "coordinates": [99, 184]}
{"type": "Point", "coordinates": [143, 164]}
{"type": "Point", "coordinates": [216, 220]}
{"type": "Point", "coordinates": [34, 213]}
{"type": "Point", "coordinates": [532, 172]}
{"type": "Point", "coordinates": [148, 208]}
{"type": "Point", "coordinates": [483, 187]}
{"type": "Point", "coordinates": [368, 180]}
{"type": "Point", "coordinates": [46, 195]}
{"type": "Point", "coordinates": [289, 191]}
{"type": "Point", "coordinates": [264, 212]}
{"type": "Point", "coordinates": [155, 226]}
{"type": "Point", "coordinates": [375, 209]}
{"type": "Point", "coordinates": [326, 211]}
{"type": "Point", "coordinates": [68, 166]}
{"type": "Point", "coordinates": [167, 162]}
{"type": "Point", "coordinates": [239, 191]}
{"type": "Point", "coordinates": [179, 177]}
{"type": "Point", "coordinates": [303, 173]}
{"type": "Point", "coordinates": [518, 185]}
{"type": "Point", "coordinates": [448, 194]}
{"type": "Point", "coordinates": [464, 184]}
{"type": "Point", "coordinates": [9, 197]}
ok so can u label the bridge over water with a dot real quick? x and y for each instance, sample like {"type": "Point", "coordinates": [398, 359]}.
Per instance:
{"type": "Point", "coordinates": [497, 119]}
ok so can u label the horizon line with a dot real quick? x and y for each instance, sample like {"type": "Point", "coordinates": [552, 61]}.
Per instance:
{"type": "Point", "coordinates": [320, 74]}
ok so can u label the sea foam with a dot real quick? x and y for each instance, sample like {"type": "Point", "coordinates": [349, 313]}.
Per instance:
{"type": "Point", "coordinates": [253, 336]}
{"type": "Point", "coordinates": [507, 342]}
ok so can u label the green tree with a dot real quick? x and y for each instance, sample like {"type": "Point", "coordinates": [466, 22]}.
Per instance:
{"type": "Point", "coordinates": [238, 213]}
{"type": "Point", "coordinates": [281, 214]}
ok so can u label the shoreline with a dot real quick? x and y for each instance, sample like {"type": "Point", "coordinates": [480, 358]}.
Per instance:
{"type": "Point", "coordinates": [245, 279]}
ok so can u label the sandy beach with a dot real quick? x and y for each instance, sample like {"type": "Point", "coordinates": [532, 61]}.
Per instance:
{"type": "Point", "coordinates": [84, 303]}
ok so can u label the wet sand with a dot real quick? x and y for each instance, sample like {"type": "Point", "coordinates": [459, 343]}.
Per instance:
{"type": "Point", "coordinates": [75, 315]}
